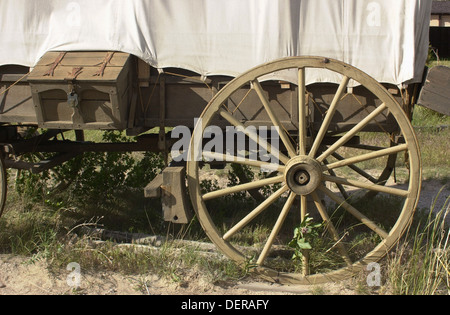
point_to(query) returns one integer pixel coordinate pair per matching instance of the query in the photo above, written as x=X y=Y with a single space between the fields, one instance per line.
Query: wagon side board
x=16 y=102
x=128 y=98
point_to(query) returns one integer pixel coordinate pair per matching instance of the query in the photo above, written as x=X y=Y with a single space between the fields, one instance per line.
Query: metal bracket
x=73 y=101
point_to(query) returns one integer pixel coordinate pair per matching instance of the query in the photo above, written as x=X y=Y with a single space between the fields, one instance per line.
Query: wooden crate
x=82 y=90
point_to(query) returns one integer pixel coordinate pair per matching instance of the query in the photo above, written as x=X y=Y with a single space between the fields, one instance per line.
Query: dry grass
x=421 y=264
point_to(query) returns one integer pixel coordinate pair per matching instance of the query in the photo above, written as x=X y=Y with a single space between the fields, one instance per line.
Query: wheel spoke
x=3 y=185
x=366 y=157
x=275 y=121
x=329 y=116
x=344 y=139
x=374 y=187
x=233 y=159
x=323 y=213
x=340 y=187
x=356 y=169
x=276 y=228
x=252 y=135
x=303 y=208
x=301 y=111
x=361 y=217
x=305 y=258
x=263 y=206
x=239 y=188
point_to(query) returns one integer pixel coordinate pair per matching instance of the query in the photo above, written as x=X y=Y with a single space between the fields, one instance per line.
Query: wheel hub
x=303 y=175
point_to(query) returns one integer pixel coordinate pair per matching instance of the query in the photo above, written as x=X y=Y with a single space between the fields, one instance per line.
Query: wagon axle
x=303 y=175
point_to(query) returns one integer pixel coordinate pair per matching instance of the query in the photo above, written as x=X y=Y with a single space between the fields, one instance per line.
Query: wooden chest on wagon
x=82 y=90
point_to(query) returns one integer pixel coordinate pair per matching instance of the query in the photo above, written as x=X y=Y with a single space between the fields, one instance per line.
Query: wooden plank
x=435 y=93
x=90 y=62
x=62 y=73
x=174 y=200
x=90 y=58
x=143 y=73
x=93 y=59
x=170 y=185
x=153 y=190
x=49 y=58
x=94 y=95
x=276 y=288
x=16 y=105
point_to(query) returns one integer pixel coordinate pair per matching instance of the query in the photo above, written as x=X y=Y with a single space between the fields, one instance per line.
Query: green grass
x=433 y=142
x=432 y=130
x=424 y=117
x=442 y=62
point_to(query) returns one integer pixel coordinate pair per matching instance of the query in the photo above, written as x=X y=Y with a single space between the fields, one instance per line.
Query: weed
x=303 y=236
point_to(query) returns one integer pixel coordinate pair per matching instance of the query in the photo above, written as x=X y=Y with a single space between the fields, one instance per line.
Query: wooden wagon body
x=136 y=65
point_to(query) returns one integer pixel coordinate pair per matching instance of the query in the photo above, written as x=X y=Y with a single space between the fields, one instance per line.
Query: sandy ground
x=22 y=276
x=433 y=195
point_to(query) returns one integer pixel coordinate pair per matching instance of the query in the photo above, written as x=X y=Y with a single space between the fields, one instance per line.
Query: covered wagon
x=301 y=85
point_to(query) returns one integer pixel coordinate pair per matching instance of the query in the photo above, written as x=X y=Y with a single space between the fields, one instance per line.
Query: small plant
x=303 y=237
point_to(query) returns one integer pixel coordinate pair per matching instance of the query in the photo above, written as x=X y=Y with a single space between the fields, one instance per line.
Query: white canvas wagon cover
x=386 y=38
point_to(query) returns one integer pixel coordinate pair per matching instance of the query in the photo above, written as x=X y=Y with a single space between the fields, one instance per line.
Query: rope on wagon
x=15 y=83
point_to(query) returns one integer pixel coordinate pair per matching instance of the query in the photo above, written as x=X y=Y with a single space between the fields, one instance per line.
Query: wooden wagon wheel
x=304 y=174
x=380 y=179
x=3 y=185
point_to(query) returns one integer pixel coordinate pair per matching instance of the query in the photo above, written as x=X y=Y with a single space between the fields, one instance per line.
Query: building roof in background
x=440 y=7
